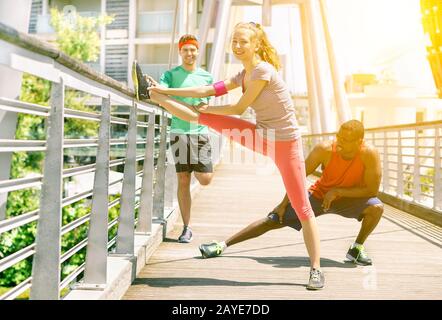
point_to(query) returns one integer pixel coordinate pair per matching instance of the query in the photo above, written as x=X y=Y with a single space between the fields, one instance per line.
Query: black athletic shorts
x=345 y=207
x=191 y=152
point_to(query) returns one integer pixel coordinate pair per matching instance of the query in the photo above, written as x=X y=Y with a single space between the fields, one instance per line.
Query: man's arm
x=372 y=179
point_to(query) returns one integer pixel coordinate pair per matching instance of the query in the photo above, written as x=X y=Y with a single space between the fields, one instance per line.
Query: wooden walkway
x=406 y=251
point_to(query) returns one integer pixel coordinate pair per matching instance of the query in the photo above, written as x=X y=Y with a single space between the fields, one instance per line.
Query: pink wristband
x=220 y=88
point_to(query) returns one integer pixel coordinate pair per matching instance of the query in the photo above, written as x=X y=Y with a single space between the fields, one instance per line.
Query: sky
x=370 y=36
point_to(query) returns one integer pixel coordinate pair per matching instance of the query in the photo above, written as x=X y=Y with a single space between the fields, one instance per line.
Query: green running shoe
x=211 y=250
x=358 y=255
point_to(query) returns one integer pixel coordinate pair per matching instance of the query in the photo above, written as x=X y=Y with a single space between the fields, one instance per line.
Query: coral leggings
x=287 y=155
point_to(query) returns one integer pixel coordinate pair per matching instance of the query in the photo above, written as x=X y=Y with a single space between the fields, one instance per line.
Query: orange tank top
x=339 y=173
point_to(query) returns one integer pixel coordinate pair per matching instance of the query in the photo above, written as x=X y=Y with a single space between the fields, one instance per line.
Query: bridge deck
x=406 y=251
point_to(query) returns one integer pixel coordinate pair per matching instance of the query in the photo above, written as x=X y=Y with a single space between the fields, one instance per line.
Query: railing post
x=126 y=225
x=95 y=274
x=416 y=169
x=385 y=176
x=437 y=185
x=400 y=167
x=46 y=264
x=160 y=174
x=171 y=183
x=146 y=201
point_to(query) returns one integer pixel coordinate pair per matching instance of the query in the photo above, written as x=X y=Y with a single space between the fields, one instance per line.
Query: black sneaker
x=357 y=255
x=141 y=83
x=316 y=281
x=186 y=235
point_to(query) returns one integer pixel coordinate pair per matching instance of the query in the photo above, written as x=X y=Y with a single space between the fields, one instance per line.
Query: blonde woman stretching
x=276 y=132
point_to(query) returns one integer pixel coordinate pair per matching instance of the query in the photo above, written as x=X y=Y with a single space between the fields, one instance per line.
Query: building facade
x=141 y=30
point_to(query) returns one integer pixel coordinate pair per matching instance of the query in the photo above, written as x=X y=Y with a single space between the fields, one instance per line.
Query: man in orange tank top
x=348 y=186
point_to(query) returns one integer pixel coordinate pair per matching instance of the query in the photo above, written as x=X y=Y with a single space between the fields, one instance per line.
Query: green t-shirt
x=179 y=77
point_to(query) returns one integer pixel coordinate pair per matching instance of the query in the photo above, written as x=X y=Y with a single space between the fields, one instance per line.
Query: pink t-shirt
x=273 y=106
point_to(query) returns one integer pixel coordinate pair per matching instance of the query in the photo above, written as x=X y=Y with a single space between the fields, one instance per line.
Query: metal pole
x=96 y=253
x=126 y=225
x=171 y=181
x=437 y=185
x=219 y=41
x=416 y=169
x=206 y=20
x=342 y=105
x=400 y=167
x=385 y=177
x=315 y=123
x=266 y=13
x=146 y=201
x=46 y=265
x=324 y=106
x=160 y=174
x=14 y=13
x=172 y=43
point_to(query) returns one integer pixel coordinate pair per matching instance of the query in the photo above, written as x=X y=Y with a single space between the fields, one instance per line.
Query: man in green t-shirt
x=189 y=142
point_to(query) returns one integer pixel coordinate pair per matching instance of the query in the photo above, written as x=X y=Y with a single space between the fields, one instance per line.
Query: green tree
x=77 y=37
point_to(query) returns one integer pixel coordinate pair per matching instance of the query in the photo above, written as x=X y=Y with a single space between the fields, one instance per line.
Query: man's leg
x=253 y=230
x=184 y=198
x=371 y=217
x=369 y=210
x=180 y=152
x=204 y=178
x=259 y=227
x=201 y=158
x=271 y=222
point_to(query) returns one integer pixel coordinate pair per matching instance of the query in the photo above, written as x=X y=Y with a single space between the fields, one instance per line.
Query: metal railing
x=147 y=191
x=410 y=158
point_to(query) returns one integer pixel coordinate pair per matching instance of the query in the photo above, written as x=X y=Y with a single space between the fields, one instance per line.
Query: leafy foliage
x=78 y=36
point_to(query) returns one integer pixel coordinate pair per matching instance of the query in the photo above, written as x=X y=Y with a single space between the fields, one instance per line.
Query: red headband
x=190 y=41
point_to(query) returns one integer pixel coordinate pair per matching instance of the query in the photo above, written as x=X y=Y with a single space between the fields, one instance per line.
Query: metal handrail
x=48 y=63
x=16 y=257
x=17 y=290
x=18 y=221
